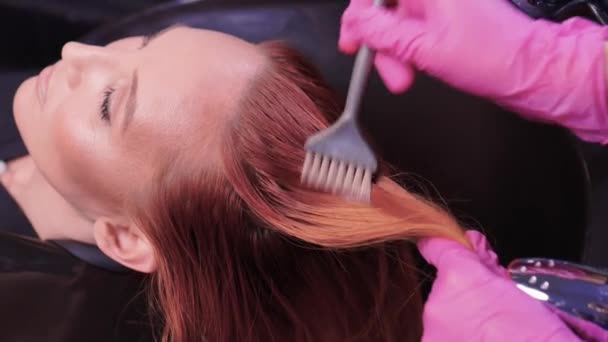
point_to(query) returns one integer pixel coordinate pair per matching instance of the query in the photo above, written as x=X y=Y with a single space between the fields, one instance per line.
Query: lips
x=43 y=83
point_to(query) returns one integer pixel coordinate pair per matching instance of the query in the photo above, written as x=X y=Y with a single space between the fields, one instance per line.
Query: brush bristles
x=337 y=177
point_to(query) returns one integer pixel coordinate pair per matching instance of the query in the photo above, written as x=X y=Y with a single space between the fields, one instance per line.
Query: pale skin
x=85 y=163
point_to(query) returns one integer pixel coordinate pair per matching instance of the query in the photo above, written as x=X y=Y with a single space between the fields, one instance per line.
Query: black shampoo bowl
x=523 y=183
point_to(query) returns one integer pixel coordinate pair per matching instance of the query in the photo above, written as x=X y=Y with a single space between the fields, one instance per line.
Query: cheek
x=70 y=145
x=76 y=158
x=71 y=133
x=35 y=129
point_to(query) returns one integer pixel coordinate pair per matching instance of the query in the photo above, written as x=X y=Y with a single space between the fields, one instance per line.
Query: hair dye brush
x=338 y=159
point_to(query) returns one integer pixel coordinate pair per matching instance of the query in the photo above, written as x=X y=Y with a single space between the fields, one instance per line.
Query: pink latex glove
x=472 y=299
x=546 y=71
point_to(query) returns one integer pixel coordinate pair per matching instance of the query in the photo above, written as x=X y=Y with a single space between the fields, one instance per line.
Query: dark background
x=33 y=31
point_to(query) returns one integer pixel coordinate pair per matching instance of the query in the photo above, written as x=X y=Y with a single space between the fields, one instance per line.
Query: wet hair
x=249 y=254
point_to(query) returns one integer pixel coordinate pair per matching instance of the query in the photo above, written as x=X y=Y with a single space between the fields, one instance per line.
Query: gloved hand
x=472 y=299
x=546 y=71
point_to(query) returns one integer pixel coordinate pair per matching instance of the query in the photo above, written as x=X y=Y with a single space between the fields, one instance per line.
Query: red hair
x=248 y=254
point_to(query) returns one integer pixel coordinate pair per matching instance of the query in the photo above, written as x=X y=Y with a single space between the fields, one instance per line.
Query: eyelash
x=104 y=108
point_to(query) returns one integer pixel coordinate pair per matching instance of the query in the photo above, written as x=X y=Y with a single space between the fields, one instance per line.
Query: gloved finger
x=481 y=246
x=349 y=41
x=411 y=8
x=485 y=252
x=444 y=253
x=384 y=31
x=397 y=76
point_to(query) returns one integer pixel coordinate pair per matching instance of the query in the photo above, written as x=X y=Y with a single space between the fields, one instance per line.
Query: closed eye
x=104 y=108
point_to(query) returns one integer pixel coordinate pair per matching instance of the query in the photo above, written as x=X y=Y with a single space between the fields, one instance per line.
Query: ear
x=126 y=244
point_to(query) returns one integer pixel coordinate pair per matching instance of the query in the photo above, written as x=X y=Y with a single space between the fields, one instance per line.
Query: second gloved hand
x=546 y=71
x=473 y=300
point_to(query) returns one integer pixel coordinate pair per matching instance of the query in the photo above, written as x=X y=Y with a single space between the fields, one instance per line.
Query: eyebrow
x=131 y=103
x=149 y=38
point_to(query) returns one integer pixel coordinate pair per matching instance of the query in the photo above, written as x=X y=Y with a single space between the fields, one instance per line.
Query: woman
x=547 y=71
x=185 y=165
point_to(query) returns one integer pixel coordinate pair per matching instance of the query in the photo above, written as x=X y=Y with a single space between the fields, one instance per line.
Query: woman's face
x=100 y=120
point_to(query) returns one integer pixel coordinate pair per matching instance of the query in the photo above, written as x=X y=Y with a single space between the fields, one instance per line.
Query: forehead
x=191 y=79
x=187 y=57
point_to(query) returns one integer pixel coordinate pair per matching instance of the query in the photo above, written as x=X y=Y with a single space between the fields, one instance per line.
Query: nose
x=79 y=51
x=78 y=57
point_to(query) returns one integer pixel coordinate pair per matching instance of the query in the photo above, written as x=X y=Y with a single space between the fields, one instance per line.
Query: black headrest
x=524 y=183
x=49 y=295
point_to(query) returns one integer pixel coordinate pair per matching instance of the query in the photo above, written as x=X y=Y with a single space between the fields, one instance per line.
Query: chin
x=25 y=106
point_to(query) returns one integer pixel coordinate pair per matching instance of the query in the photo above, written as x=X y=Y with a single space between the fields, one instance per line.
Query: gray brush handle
x=358 y=81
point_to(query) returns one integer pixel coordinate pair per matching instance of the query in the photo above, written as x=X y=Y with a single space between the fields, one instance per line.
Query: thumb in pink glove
x=472 y=299
x=547 y=71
